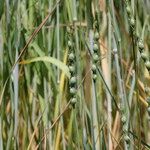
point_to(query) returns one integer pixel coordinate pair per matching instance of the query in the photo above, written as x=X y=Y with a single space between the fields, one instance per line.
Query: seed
x=95 y=47
x=71 y=56
x=73 y=80
x=69 y=44
x=132 y=22
x=141 y=45
x=128 y=9
x=126 y=138
x=73 y=101
x=96 y=58
x=96 y=36
x=94 y=77
x=123 y=119
x=144 y=56
x=72 y=69
x=72 y=91
x=94 y=68
x=147 y=64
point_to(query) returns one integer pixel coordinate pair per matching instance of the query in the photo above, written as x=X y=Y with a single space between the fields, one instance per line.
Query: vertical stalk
x=121 y=91
x=94 y=118
x=58 y=39
x=108 y=81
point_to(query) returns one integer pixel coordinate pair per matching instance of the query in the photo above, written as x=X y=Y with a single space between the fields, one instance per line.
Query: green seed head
x=94 y=68
x=71 y=57
x=96 y=58
x=147 y=64
x=141 y=45
x=73 y=101
x=123 y=119
x=95 y=47
x=73 y=80
x=69 y=44
x=96 y=36
x=128 y=9
x=126 y=138
x=94 y=77
x=72 y=91
x=132 y=22
x=72 y=69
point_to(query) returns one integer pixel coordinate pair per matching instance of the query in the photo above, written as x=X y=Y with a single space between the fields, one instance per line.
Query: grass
x=109 y=108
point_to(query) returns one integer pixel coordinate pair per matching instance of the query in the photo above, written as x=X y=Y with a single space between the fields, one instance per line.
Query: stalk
x=123 y=99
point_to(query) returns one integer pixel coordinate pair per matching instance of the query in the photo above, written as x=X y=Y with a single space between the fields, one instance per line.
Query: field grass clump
x=74 y=74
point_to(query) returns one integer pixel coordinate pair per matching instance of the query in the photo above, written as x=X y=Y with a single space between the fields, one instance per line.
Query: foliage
x=74 y=74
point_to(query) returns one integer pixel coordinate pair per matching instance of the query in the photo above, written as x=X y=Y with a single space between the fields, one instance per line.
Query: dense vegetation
x=74 y=74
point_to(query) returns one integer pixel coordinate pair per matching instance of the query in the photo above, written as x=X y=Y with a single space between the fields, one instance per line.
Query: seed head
x=132 y=22
x=71 y=57
x=72 y=91
x=69 y=44
x=73 y=101
x=94 y=68
x=72 y=69
x=123 y=119
x=128 y=9
x=73 y=80
x=96 y=36
x=141 y=45
x=95 y=47
x=94 y=77
x=96 y=58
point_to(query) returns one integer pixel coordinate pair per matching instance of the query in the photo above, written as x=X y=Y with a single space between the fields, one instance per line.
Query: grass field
x=74 y=74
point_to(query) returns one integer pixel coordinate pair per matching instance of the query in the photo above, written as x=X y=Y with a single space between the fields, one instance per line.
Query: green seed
x=73 y=101
x=72 y=91
x=128 y=9
x=73 y=80
x=94 y=68
x=95 y=47
x=147 y=64
x=94 y=77
x=69 y=44
x=96 y=36
x=132 y=22
x=123 y=119
x=141 y=45
x=96 y=58
x=72 y=69
x=126 y=138
x=71 y=56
